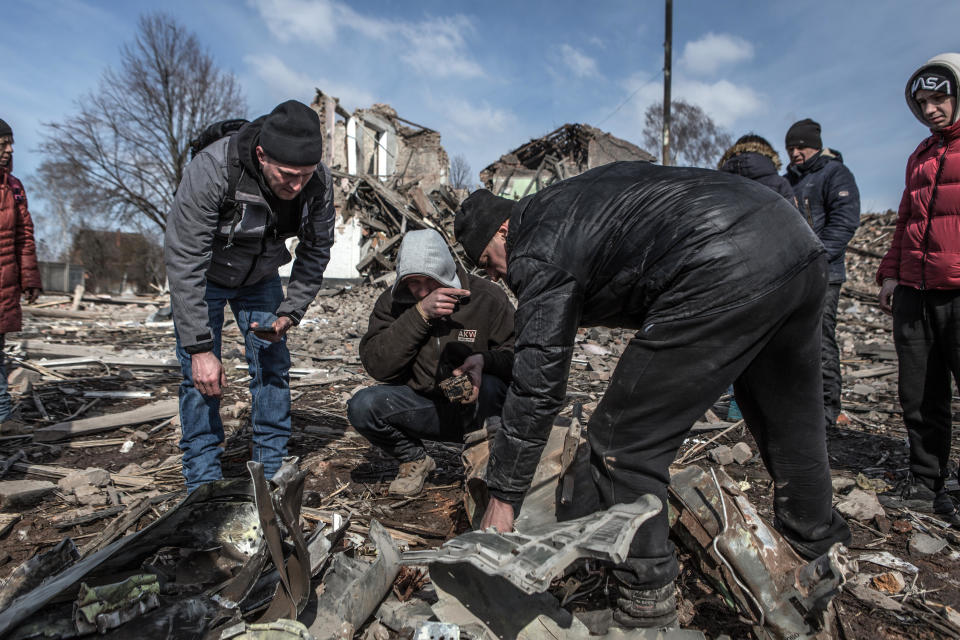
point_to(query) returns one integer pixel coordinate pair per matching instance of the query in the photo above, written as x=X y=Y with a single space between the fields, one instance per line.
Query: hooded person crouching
x=437 y=321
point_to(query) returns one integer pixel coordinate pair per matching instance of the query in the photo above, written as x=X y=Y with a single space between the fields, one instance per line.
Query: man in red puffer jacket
x=919 y=282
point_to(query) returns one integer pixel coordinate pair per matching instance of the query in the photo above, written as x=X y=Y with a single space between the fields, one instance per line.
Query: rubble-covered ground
x=123 y=346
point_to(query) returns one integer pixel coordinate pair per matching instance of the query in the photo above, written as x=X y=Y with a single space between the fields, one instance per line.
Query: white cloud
x=285 y=81
x=580 y=64
x=436 y=46
x=714 y=51
x=472 y=121
x=723 y=101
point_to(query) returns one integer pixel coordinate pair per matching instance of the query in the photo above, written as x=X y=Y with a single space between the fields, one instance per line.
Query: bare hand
x=885 y=297
x=209 y=377
x=280 y=327
x=473 y=367
x=498 y=515
x=30 y=294
x=441 y=302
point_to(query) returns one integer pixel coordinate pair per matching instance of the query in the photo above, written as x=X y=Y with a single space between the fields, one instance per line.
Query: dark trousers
x=926 y=332
x=670 y=373
x=830 y=356
x=397 y=419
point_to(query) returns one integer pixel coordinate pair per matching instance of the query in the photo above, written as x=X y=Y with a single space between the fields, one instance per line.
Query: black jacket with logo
x=828 y=198
x=628 y=244
x=400 y=348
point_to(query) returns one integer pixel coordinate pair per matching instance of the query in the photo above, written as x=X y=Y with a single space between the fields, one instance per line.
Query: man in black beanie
x=829 y=200
x=241 y=198
x=722 y=282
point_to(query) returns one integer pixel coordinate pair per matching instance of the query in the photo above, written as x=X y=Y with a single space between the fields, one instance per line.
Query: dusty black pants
x=926 y=332
x=830 y=356
x=671 y=373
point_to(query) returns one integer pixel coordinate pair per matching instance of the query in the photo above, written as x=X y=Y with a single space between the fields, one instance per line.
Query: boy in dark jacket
x=829 y=200
x=920 y=285
x=722 y=282
x=437 y=321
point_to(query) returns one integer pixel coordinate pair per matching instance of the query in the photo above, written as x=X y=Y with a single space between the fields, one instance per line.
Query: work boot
x=646 y=608
x=411 y=476
x=914 y=494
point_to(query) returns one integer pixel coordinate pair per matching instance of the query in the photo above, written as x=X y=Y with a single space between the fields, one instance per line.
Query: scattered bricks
x=883 y=524
x=23 y=493
x=860 y=505
x=742 y=453
x=90 y=496
x=722 y=455
x=891 y=582
x=842 y=485
x=923 y=544
x=901 y=526
x=87 y=477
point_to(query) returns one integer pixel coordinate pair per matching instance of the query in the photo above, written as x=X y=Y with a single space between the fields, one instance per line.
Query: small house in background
x=118 y=262
x=563 y=153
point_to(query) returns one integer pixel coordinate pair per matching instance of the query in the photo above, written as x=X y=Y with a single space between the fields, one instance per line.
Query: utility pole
x=667 y=47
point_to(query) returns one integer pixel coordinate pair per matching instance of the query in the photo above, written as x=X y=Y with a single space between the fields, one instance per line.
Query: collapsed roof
x=562 y=153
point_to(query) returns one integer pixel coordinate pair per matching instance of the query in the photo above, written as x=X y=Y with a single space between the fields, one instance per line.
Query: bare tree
x=459 y=172
x=121 y=157
x=695 y=140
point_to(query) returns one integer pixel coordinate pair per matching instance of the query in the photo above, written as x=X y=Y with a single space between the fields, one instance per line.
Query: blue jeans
x=6 y=405
x=397 y=419
x=269 y=366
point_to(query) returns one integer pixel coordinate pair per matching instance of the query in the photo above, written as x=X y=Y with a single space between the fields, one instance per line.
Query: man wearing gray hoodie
x=437 y=321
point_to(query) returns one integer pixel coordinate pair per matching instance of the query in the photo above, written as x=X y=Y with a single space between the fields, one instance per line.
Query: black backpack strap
x=229 y=204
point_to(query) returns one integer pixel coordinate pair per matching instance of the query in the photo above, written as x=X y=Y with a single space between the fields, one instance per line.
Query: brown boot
x=412 y=475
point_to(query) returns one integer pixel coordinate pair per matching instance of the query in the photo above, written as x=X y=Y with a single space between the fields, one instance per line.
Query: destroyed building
x=384 y=169
x=565 y=152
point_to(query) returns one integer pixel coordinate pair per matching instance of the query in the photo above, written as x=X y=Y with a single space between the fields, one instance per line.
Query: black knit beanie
x=5 y=129
x=292 y=134
x=805 y=133
x=480 y=215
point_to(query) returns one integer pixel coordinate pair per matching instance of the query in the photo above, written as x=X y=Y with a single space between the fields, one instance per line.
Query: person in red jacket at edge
x=919 y=280
x=18 y=264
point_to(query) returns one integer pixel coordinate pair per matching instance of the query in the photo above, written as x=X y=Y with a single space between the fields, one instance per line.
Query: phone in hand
x=265 y=332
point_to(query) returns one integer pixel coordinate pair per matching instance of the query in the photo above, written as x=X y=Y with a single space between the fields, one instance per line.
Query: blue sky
x=490 y=76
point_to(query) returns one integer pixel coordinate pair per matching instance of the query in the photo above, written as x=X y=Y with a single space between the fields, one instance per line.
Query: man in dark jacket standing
x=722 y=281
x=19 y=275
x=829 y=199
x=752 y=156
x=240 y=198
x=919 y=282
x=436 y=321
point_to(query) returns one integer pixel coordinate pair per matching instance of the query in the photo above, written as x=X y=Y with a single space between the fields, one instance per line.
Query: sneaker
x=646 y=608
x=412 y=475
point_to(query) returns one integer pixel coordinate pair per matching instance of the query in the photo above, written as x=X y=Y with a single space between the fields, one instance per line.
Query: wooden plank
x=55 y=473
x=61 y=431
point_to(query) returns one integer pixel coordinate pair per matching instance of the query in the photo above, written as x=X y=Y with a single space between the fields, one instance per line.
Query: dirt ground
x=346 y=475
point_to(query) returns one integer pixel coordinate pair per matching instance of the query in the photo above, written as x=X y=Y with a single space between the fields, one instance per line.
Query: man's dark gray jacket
x=234 y=239
x=628 y=244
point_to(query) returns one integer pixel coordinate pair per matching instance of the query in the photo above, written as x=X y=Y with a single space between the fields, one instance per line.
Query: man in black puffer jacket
x=829 y=199
x=722 y=281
